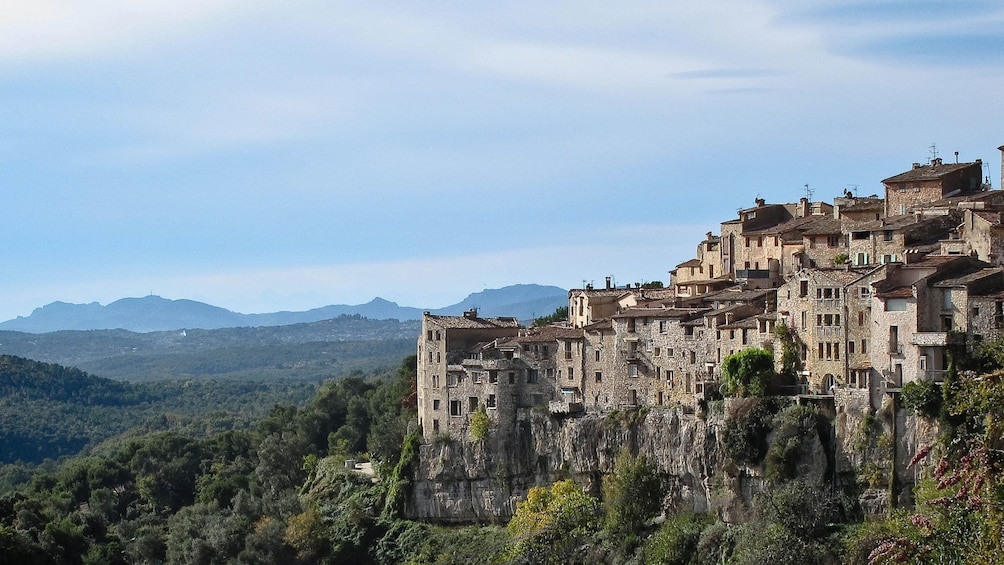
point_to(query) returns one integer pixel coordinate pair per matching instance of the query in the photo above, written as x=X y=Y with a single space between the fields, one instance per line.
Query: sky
x=267 y=156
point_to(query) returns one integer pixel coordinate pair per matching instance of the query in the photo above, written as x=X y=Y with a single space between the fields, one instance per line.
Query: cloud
x=43 y=30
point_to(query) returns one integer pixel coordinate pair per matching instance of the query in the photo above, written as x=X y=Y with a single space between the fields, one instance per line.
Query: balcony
x=936 y=339
x=562 y=407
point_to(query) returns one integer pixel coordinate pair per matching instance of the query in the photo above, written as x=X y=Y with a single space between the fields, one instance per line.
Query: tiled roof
x=748 y=323
x=658 y=313
x=927 y=172
x=464 y=322
x=905 y=291
x=967 y=279
x=993 y=217
x=824 y=225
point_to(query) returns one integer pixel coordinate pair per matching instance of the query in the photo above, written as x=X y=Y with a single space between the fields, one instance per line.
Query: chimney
x=760 y=202
x=471 y=314
x=1001 y=149
x=608 y=283
x=936 y=162
x=916 y=165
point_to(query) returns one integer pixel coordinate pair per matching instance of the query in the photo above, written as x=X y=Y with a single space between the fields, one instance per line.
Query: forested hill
x=313 y=351
x=24 y=379
x=48 y=411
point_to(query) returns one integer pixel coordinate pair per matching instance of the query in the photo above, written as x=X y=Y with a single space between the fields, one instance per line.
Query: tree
x=551 y=525
x=560 y=314
x=632 y=495
x=748 y=372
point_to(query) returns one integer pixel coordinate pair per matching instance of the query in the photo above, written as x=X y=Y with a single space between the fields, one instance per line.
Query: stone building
x=454 y=371
x=828 y=311
x=915 y=322
x=928 y=183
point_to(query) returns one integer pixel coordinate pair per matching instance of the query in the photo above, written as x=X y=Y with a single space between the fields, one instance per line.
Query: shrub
x=792 y=426
x=746 y=429
x=922 y=397
x=479 y=424
x=676 y=541
x=748 y=372
x=632 y=495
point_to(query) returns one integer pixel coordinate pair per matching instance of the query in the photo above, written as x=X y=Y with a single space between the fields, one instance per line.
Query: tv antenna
x=934 y=151
x=808 y=193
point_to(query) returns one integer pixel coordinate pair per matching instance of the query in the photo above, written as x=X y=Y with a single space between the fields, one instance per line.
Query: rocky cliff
x=862 y=451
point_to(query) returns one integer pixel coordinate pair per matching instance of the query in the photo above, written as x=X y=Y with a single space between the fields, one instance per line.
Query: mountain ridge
x=154 y=313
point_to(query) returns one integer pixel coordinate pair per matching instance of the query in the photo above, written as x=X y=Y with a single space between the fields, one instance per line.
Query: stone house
x=928 y=183
x=455 y=368
x=828 y=311
x=915 y=322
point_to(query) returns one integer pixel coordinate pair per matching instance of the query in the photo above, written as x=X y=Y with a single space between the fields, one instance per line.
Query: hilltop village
x=866 y=293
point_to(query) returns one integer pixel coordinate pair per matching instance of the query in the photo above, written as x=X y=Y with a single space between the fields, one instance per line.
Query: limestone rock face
x=459 y=480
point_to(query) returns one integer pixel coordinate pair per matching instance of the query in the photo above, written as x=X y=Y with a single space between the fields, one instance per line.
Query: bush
x=479 y=424
x=746 y=427
x=792 y=426
x=676 y=541
x=552 y=525
x=922 y=397
x=748 y=373
x=632 y=495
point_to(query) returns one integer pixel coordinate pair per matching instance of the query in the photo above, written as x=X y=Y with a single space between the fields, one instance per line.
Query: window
x=669 y=377
x=435 y=381
x=893 y=339
x=657 y=352
x=864 y=292
x=435 y=426
x=533 y=376
x=571 y=373
x=456 y=407
x=472 y=404
x=803 y=288
x=597 y=354
x=887 y=235
x=435 y=404
x=599 y=376
x=669 y=352
x=452 y=379
x=861 y=318
x=476 y=377
x=491 y=404
x=537 y=399
x=864 y=346
x=428 y=335
x=693 y=357
x=836 y=351
x=493 y=377
x=662 y=326
x=632 y=370
x=568 y=350
x=850 y=348
x=512 y=377
x=923 y=362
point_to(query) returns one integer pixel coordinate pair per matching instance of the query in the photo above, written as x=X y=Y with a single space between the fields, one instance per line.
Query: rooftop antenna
x=934 y=152
x=808 y=193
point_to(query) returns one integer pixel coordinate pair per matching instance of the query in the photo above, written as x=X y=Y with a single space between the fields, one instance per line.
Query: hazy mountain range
x=153 y=313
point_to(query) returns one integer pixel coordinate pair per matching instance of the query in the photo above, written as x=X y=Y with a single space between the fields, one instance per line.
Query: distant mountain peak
x=155 y=313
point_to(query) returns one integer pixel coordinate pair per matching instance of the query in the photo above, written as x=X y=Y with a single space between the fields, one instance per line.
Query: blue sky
x=283 y=156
